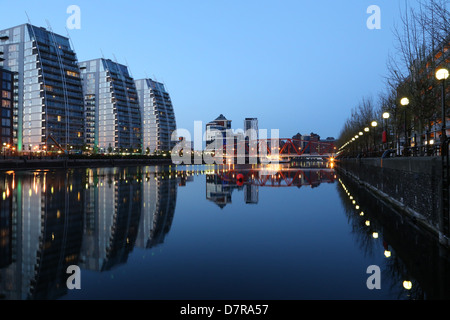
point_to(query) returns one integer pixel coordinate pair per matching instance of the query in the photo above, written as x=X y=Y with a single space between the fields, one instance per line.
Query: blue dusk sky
x=296 y=65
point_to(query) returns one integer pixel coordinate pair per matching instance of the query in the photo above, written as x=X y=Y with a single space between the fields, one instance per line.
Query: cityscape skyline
x=225 y=151
x=210 y=65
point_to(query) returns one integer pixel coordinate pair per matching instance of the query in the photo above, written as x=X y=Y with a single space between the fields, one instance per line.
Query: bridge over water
x=288 y=148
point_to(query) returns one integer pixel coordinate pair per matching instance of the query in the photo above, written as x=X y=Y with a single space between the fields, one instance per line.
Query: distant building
x=158 y=117
x=49 y=93
x=298 y=142
x=329 y=145
x=7 y=106
x=113 y=117
x=251 y=128
x=218 y=126
x=310 y=143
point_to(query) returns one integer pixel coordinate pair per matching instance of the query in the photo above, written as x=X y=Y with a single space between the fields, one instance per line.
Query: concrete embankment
x=412 y=184
x=15 y=164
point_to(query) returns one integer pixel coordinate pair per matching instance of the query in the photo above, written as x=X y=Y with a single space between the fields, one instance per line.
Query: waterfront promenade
x=48 y=163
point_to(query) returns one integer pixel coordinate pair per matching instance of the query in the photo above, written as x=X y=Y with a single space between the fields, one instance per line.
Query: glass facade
x=6 y=107
x=49 y=94
x=158 y=117
x=113 y=118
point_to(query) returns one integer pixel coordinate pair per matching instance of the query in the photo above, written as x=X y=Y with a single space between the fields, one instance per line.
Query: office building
x=48 y=98
x=216 y=130
x=113 y=118
x=157 y=114
x=251 y=129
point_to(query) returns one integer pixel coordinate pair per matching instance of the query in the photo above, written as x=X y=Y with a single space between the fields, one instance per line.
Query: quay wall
x=411 y=184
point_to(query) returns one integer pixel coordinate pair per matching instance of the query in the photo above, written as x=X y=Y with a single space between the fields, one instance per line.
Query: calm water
x=203 y=232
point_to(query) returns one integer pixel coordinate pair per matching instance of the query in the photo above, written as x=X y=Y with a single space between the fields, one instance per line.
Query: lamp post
x=405 y=102
x=442 y=75
x=374 y=124
x=386 y=116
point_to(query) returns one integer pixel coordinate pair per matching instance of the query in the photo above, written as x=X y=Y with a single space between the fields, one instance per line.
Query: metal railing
x=401 y=147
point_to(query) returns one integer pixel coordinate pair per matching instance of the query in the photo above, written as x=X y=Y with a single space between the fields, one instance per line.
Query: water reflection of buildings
x=158 y=209
x=126 y=208
x=113 y=210
x=223 y=180
x=45 y=227
x=91 y=218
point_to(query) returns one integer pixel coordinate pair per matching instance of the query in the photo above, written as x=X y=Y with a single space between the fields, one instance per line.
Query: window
x=73 y=74
x=13 y=48
x=6 y=122
x=6 y=94
x=6 y=76
x=6 y=104
x=6 y=113
x=6 y=85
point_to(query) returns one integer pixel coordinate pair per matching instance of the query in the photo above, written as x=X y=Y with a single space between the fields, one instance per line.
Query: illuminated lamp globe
x=442 y=74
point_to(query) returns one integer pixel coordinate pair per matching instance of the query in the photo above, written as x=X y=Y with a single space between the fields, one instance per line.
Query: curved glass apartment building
x=48 y=97
x=112 y=115
x=158 y=117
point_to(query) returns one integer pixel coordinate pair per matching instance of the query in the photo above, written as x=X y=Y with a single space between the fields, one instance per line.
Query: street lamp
x=442 y=75
x=405 y=102
x=386 y=116
x=374 y=124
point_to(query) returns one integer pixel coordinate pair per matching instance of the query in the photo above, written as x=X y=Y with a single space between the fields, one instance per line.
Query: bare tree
x=411 y=68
